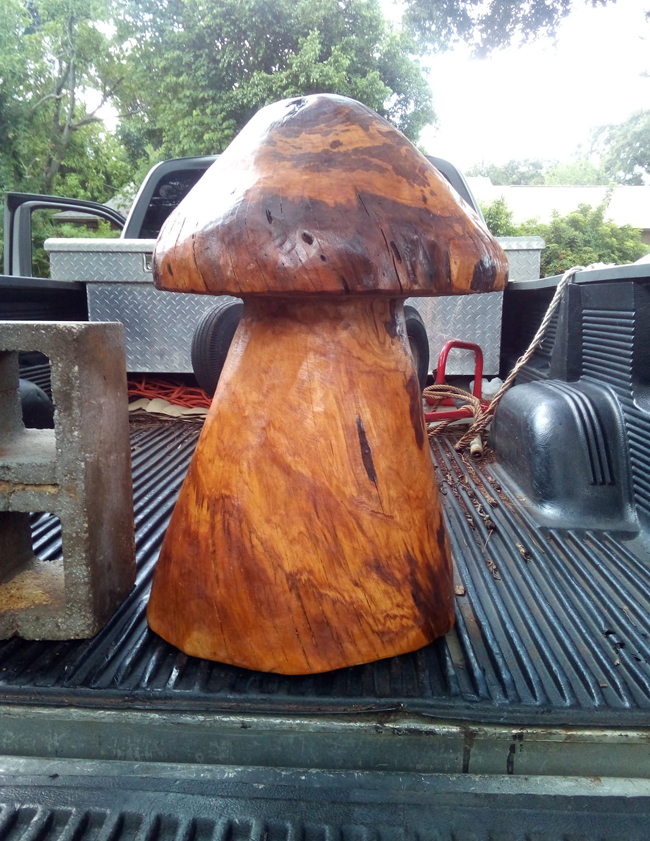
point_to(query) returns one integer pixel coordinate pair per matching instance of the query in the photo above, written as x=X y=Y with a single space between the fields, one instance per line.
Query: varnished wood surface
x=308 y=534
x=320 y=194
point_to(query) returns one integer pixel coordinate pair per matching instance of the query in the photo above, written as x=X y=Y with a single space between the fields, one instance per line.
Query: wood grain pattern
x=320 y=194
x=308 y=534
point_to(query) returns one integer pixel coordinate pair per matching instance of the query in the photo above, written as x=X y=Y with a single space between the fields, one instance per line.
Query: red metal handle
x=478 y=363
x=464 y=411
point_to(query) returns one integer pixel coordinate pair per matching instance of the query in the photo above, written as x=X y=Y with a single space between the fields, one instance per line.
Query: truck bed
x=552 y=625
x=54 y=800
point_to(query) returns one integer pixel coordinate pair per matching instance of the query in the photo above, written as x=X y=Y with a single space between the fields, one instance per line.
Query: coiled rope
x=483 y=418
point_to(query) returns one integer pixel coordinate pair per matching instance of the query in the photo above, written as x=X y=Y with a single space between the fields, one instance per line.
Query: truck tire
x=38 y=409
x=419 y=342
x=211 y=342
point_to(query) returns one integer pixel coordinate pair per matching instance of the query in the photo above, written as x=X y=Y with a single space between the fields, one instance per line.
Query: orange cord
x=173 y=391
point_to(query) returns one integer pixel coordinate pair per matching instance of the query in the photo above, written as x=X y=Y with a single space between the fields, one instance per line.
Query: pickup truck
x=529 y=720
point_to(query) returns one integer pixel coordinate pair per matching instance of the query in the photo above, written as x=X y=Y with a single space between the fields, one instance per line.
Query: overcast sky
x=542 y=100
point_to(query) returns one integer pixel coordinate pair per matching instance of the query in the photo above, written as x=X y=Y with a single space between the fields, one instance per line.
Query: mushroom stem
x=308 y=534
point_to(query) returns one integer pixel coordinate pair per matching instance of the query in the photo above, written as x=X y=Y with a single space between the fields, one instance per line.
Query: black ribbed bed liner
x=552 y=627
x=97 y=802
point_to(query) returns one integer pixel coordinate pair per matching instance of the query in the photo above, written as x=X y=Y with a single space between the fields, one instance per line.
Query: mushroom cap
x=321 y=195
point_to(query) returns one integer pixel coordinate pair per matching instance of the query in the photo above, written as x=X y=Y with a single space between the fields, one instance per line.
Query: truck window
x=53 y=222
x=169 y=192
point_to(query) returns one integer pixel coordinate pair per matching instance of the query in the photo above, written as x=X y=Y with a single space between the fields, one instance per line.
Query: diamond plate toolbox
x=476 y=318
x=101 y=260
x=159 y=325
x=471 y=318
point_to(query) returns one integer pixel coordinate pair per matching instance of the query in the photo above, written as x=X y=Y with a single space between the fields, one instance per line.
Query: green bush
x=43 y=227
x=581 y=237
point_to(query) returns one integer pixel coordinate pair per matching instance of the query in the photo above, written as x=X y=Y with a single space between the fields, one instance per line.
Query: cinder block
x=80 y=471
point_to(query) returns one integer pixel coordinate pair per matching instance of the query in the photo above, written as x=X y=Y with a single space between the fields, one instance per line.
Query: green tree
x=486 y=24
x=625 y=149
x=512 y=172
x=579 y=172
x=54 y=57
x=198 y=70
x=585 y=236
x=498 y=218
x=14 y=55
x=580 y=238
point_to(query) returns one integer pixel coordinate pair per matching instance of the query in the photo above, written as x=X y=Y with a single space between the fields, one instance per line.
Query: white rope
x=479 y=425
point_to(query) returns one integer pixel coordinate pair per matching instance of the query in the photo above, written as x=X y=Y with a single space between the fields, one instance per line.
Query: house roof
x=627 y=206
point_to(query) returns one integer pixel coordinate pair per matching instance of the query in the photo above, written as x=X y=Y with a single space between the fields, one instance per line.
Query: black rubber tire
x=211 y=342
x=38 y=409
x=215 y=331
x=419 y=342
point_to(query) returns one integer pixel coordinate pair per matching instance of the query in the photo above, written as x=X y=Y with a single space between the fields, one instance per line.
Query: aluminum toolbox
x=159 y=325
x=477 y=318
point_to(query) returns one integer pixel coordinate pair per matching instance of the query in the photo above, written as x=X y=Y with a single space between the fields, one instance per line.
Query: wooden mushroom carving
x=308 y=534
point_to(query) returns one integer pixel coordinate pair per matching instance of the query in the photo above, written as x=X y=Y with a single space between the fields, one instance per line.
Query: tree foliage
x=625 y=149
x=198 y=70
x=185 y=75
x=512 y=172
x=622 y=152
x=45 y=225
x=585 y=236
x=580 y=238
x=486 y=24
x=52 y=55
x=498 y=218
x=579 y=172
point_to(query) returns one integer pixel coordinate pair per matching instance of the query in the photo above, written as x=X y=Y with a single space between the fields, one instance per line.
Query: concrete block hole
x=31 y=561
